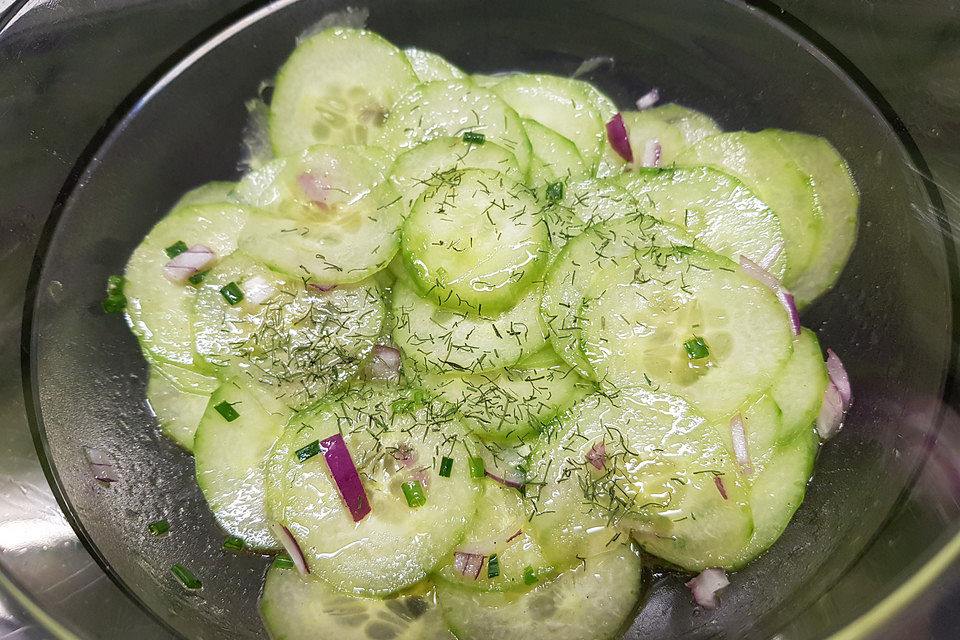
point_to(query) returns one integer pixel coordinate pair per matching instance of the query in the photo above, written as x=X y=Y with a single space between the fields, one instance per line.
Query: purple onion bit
x=618 y=137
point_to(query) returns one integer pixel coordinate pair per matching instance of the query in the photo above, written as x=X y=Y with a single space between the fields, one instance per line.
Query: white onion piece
x=831 y=412
x=839 y=377
x=384 y=364
x=648 y=99
x=763 y=276
x=767 y=261
x=651 y=153
x=101 y=465
x=706 y=585
x=284 y=537
x=739 y=436
x=259 y=290
x=194 y=260
x=468 y=564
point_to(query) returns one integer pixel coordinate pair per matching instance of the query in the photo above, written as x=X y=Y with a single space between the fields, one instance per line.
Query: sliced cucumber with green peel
x=429 y=66
x=555 y=157
x=591 y=601
x=160 y=310
x=838 y=199
x=390 y=442
x=476 y=242
x=800 y=387
x=230 y=450
x=336 y=88
x=209 y=193
x=694 y=126
x=595 y=200
x=425 y=166
x=294 y=342
x=671 y=126
x=758 y=160
x=713 y=206
x=448 y=341
x=560 y=104
x=178 y=411
x=302 y=608
x=641 y=315
x=451 y=108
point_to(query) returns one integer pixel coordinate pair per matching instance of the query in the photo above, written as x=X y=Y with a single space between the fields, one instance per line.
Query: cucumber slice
x=159 y=310
x=298 y=344
x=838 y=198
x=209 y=193
x=451 y=108
x=555 y=157
x=592 y=601
x=694 y=126
x=509 y=403
x=488 y=81
x=425 y=166
x=542 y=359
x=560 y=104
x=762 y=425
x=499 y=528
x=446 y=341
x=336 y=88
x=476 y=243
x=394 y=545
x=347 y=235
x=641 y=312
x=799 y=389
x=595 y=201
x=715 y=207
x=178 y=411
x=429 y=66
x=758 y=161
x=296 y=608
x=566 y=282
x=230 y=456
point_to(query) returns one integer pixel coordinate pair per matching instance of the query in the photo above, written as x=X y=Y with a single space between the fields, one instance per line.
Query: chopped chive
x=529 y=577
x=413 y=492
x=233 y=543
x=476 y=467
x=474 y=137
x=116 y=301
x=197 y=278
x=226 y=410
x=555 y=192
x=231 y=293
x=446 y=466
x=189 y=580
x=159 y=527
x=493 y=566
x=696 y=348
x=307 y=452
x=176 y=249
x=283 y=561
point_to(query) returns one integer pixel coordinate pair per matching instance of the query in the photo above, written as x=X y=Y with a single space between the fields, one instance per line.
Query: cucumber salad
x=469 y=354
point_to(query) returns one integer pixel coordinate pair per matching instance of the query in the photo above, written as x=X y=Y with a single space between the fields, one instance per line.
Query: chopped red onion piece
x=597 y=455
x=706 y=585
x=315 y=191
x=831 y=412
x=839 y=377
x=323 y=288
x=384 y=363
x=345 y=475
x=468 y=564
x=648 y=99
x=101 y=465
x=771 y=256
x=790 y=305
x=762 y=276
x=514 y=536
x=651 y=153
x=290 y=545
x=258 y=290
x=740 y=444
x=507 y=482
x=194 y=260
x=619 y=140
x=717 y=480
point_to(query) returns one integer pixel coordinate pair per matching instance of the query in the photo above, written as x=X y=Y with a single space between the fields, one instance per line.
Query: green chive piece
x=226 y=410
x=159 y=527
x=446 y=466
x=176 y=249
x=307 y=452
x=197 y=278
x=116 y=301
x=232 y=293
x=555 y=192
x=476 y=467
x=233 y=543
x=189 y=580
x=413 y=492
x=493 y=566
x=696 y=348
x=283 y=562
x=474 y=137
x=529 y=577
